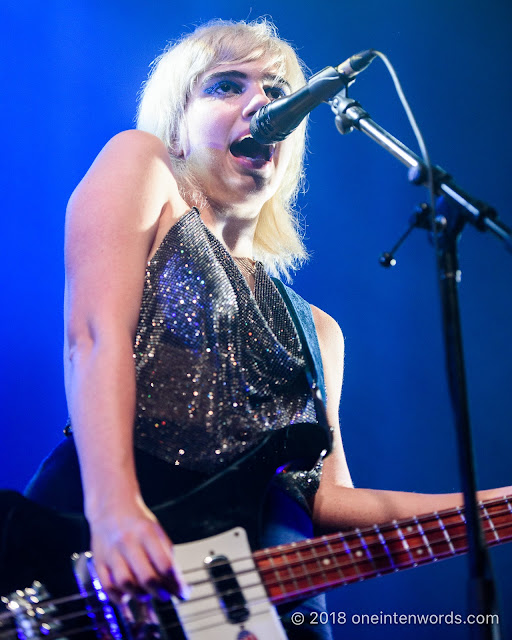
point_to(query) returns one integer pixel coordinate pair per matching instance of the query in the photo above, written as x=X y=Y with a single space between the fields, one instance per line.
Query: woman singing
x=180 y=350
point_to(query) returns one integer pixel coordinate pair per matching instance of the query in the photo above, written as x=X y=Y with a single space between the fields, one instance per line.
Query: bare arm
x=337 y=504
x=112 y=223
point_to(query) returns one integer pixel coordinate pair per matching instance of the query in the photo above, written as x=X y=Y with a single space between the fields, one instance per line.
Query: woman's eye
x=224 y=87
x=274 y=93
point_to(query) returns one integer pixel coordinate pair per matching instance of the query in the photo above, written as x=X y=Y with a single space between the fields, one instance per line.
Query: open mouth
x=247 y=147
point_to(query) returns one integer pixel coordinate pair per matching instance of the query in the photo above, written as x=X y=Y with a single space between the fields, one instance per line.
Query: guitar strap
x=302 y=317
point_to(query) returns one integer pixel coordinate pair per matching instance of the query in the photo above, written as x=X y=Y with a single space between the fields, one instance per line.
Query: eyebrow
x=240 y=75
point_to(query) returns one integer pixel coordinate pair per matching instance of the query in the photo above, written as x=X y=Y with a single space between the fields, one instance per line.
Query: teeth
x=248 y=135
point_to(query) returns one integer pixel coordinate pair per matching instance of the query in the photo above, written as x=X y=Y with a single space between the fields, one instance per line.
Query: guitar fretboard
x=304 y=568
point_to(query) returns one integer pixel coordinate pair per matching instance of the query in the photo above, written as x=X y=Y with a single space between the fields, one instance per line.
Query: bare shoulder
x=132 y=168
x=328 y=330
x=115 y=214
x=137 y=141
x=138 y=145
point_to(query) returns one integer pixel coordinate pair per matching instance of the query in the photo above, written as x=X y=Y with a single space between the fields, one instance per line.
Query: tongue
x=249 y=148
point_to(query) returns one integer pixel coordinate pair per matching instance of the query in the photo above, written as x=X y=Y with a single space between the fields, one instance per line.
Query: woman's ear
x=179 y=143
x=176 y=152
x=176 y=149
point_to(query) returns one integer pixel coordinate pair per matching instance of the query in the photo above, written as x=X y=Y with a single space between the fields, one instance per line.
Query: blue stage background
x=71 y=73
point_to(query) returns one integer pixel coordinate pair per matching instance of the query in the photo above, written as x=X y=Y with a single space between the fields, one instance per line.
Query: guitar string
x=373 y=531
x=313 y=589
x=321 y=542
x=352 y=535
x=198 y=616
x=57 y=634
x=55 y=602
x=279 y=584
x=12 y=632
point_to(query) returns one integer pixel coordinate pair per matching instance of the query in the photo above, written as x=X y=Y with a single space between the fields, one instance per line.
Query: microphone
x=276 y=120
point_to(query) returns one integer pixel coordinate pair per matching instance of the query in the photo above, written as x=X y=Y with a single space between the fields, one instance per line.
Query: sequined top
x=216 y=365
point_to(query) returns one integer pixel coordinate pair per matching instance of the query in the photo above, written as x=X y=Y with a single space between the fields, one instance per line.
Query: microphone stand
x=457 y=208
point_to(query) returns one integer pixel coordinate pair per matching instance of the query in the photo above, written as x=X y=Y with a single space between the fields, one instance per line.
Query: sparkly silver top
x=216 y=365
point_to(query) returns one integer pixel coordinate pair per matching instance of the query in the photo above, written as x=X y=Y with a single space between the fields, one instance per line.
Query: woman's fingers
x=116 y=577
x=137 y=560
x=159 y=550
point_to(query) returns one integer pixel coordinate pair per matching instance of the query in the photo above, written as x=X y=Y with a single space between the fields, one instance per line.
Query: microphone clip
x=346 y=120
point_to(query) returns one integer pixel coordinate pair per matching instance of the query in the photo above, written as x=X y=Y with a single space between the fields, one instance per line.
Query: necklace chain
x=246 y=265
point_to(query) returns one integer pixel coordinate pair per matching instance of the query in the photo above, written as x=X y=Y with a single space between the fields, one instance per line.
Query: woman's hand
x=133 y=555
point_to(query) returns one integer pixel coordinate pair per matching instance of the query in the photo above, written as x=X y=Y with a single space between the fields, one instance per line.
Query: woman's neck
x=234 y=229
x=233 y=224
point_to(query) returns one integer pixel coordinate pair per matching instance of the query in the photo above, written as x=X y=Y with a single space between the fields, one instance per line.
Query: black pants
x=57 y=484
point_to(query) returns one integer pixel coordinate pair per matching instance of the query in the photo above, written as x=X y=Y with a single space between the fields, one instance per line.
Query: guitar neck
x=302 y=569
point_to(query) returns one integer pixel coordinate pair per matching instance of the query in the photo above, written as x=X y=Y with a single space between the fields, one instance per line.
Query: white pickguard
x=202 y=616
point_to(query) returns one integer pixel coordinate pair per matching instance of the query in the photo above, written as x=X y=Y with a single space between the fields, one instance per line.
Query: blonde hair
x=278 y=239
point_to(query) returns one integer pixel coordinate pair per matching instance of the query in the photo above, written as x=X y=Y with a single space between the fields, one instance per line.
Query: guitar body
x=216 y=527
x=36 y=542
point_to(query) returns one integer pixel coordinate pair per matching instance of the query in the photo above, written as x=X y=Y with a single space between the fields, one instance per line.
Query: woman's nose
x=257 y=100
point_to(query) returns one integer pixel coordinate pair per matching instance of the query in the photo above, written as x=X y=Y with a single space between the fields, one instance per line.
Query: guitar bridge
x=135 y=619
x=28 y=616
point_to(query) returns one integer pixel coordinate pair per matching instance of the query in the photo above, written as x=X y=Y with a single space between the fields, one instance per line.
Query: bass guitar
x=234 y=584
